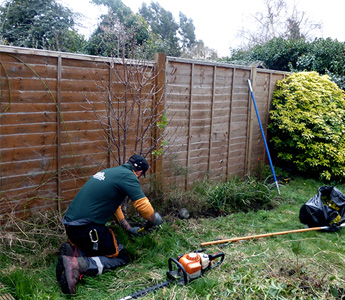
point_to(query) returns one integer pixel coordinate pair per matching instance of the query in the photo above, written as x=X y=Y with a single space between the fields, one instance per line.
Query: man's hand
x=158 y=219
x=133 y=230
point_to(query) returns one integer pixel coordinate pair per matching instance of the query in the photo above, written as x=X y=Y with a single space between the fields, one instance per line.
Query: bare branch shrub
x=135 y=114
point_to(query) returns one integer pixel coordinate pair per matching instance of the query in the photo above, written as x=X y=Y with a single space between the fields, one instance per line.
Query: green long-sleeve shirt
x=103 y=193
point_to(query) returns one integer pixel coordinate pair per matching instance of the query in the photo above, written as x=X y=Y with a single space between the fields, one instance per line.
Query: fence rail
x=51 y=140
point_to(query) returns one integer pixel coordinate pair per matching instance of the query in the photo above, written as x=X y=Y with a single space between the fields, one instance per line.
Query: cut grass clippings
x=308 y=265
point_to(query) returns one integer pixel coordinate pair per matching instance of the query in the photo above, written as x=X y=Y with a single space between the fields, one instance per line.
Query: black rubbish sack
x=327 y=208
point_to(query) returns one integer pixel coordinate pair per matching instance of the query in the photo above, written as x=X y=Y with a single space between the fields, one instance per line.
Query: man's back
x=103 y=193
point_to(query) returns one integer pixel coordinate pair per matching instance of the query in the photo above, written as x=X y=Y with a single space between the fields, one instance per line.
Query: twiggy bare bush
x=135 y=116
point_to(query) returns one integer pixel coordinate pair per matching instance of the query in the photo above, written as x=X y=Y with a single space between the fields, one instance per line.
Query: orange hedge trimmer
x=184 y=269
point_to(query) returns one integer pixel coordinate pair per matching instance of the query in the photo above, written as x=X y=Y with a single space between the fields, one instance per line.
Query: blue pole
x=263 y=136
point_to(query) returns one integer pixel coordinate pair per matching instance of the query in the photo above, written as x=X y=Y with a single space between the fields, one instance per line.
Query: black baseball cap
x=139 y=163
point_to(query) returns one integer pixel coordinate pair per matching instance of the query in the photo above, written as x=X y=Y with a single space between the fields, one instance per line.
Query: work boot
x=69 y=250
x=69 y=271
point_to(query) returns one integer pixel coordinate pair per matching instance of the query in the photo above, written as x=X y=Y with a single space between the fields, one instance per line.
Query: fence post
x=159 y=104
x=58 y=132
x=231 y=101
x=212 y=118
x=190 y=119
x=267 y=114
x=108 y=109
x=251 y=120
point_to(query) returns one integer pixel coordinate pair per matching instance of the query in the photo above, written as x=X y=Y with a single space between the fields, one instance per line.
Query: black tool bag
x=327 y=208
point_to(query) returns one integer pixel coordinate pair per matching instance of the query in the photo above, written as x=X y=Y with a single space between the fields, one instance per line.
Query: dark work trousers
x=99 y=243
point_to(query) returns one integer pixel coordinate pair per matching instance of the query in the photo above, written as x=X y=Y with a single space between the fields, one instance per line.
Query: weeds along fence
x=56 y=113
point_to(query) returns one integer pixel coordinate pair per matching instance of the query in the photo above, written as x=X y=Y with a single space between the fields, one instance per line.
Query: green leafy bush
x=277 y=54
x=325 y=56
x=308 y=124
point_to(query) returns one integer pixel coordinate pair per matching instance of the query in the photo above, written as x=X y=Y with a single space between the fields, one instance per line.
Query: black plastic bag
x=327 y=208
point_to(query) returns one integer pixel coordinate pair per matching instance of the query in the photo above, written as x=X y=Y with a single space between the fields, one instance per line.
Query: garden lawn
x=308 y=265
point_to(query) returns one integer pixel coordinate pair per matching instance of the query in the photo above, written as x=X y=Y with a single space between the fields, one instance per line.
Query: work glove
x=158 y=219
x=133 y=230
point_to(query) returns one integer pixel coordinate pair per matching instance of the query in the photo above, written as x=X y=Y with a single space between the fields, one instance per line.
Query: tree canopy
x=39 y=24
x=163 y=25
x=119 y=31
x=153 y=29
x=50 y=25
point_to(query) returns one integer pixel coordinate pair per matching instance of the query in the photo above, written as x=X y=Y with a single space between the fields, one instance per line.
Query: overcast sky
x=217 y=22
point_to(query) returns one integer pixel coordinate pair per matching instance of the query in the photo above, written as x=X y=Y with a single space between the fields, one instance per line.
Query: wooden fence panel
x=82 y=146
x=51 y=140
x=264 y=86
x=212 y=115
x=28 y=132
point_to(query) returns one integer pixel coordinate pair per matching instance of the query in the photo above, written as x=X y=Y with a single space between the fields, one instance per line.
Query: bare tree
x=279 y=19
x=299 y=26
x=135 y=113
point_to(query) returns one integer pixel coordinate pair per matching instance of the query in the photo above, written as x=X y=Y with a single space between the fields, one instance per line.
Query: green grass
x=307 y=265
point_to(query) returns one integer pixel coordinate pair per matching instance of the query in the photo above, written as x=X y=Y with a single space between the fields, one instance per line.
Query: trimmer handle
x=175 y=274
x=219 y=257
